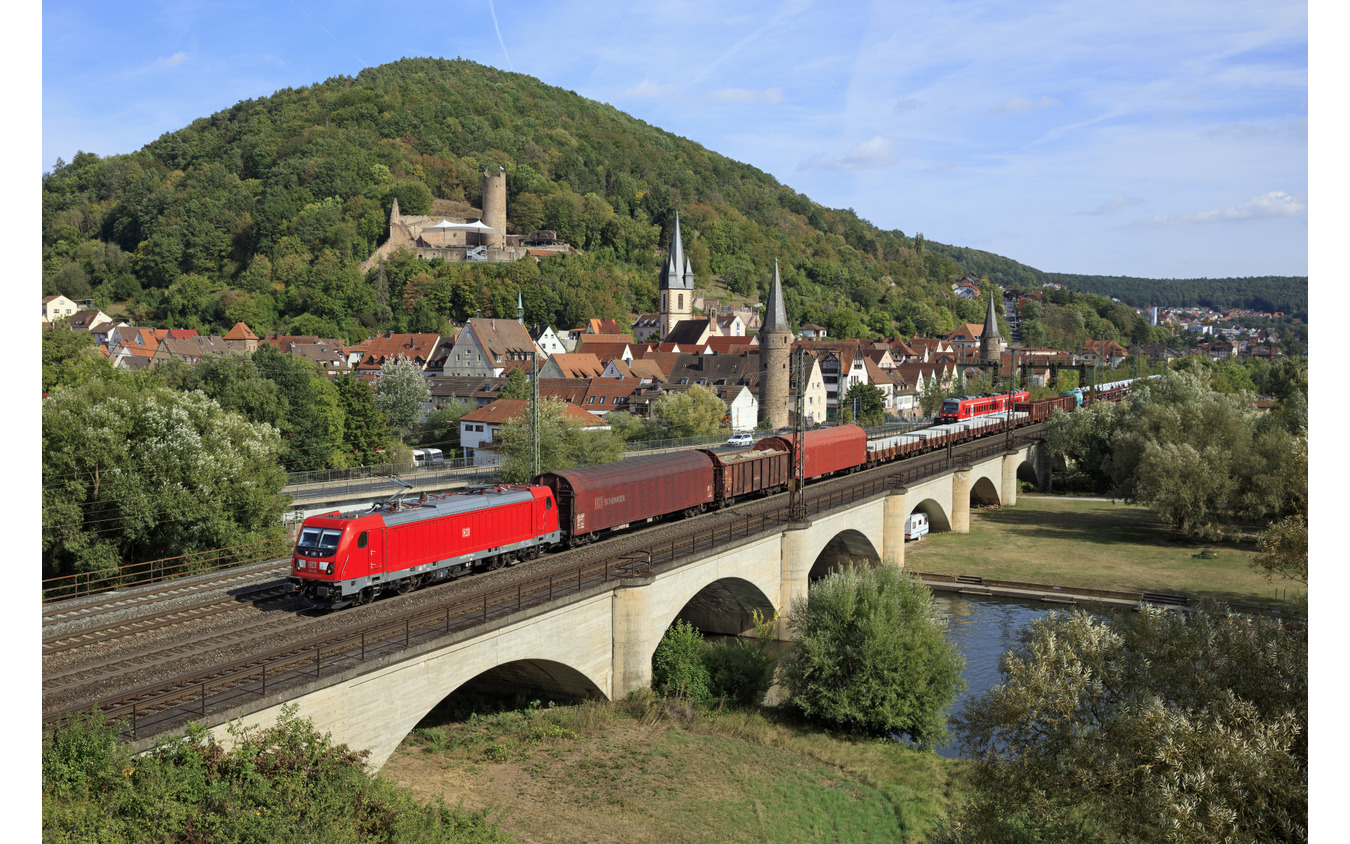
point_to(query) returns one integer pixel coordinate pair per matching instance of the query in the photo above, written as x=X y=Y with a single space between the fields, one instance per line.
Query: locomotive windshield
x=317 y=542
x=951 y=406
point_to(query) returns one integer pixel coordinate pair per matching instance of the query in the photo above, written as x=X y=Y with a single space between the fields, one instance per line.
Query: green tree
x=366 y=426
x=697 y=412
x=401 y=392
x=517 y=385
x=142 y=473
x=678 y=669
x=287 y=782
x=563 y=444
x=314 y=429
x=69 y=359
x=869 y=657
x=441 y=427
x=1152 y=726
x=871 y=404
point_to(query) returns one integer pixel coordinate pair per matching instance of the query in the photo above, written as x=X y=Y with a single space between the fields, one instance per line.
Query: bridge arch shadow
x=938 y=521
x=513 y=685
x=847 y=548
x=983 y=492
x=727 y=607
x=1027 y=472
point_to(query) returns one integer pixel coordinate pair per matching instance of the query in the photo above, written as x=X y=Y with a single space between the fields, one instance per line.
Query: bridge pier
x=1008 y=493
x=795 y=576
x=961 y=500
x=633 y=640
x=893 y=529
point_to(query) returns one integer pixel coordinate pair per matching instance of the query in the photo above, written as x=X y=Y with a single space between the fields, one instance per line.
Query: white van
x=425 y=458
x=916 y=526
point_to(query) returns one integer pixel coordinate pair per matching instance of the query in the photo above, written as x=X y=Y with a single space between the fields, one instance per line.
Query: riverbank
x=1098 y=544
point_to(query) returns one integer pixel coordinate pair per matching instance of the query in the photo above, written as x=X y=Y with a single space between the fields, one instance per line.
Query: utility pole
x=534 y=414
x=797 y=499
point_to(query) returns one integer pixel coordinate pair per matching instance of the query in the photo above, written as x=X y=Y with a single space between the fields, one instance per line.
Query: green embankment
x=1100 y=545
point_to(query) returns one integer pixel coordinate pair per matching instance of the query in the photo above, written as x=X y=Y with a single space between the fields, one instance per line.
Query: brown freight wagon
x=746 y=472
x=828 y=450
x=608 y=495
x=1042 y=409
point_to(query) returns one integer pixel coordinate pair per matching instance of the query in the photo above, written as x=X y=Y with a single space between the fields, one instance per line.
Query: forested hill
x=1261 y=293
x=264 y=211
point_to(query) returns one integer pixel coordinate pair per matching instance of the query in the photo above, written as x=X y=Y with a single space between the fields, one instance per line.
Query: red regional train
x=342 y=559
x=958 y=408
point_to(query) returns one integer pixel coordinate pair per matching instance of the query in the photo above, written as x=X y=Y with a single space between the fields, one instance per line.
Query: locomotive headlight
x=328 y=569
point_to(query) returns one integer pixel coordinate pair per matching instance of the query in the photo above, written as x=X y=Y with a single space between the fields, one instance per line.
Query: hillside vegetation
x=264 y=212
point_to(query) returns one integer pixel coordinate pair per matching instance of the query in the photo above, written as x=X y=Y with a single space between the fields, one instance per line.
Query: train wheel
x=365 y=596
x=495 y=563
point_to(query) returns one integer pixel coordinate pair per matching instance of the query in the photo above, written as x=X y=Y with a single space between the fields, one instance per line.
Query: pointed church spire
x=520 y=309
x=990 y=341
x=675 y=266
x=775 y=313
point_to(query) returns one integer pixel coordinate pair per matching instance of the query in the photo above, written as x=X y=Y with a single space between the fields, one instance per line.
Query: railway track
x=233 y=668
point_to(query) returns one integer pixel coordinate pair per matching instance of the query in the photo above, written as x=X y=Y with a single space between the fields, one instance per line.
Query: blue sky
x=1158 y=139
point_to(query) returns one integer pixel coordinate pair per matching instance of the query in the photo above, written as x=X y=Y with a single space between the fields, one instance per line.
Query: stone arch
x=535 y=677
x=939 y=521
x=726 y=606
x=849 y=546
x=1026 y=471
x=983 y=491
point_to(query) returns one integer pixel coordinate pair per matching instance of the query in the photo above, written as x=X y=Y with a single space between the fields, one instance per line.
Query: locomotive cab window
x=318 y=542
x=548 y=503
x=361 y=540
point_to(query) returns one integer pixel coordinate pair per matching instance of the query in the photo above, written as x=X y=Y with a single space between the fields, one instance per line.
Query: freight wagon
x=601 y=498
x=828 y=450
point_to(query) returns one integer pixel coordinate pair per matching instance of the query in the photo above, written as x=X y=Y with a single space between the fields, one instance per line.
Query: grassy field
x=650 y=770
x=1096 y=544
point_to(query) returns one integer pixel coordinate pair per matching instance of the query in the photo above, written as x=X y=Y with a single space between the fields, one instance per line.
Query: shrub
x=870 y=658
x=677 y=666
x=742 y=671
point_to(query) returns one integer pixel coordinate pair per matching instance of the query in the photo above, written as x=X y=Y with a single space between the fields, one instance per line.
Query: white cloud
x=746 y=95
x=172 y=61
x=1271 y=206
x=1017 y=104
x=874 y=152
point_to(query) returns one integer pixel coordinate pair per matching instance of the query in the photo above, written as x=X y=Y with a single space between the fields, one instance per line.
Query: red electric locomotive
x=958 y=408
x=350 y=558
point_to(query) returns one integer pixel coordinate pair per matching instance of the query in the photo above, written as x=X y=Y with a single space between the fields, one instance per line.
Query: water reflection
x=982 y=627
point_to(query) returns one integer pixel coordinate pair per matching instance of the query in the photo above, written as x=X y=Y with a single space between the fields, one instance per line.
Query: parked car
x=742 y=439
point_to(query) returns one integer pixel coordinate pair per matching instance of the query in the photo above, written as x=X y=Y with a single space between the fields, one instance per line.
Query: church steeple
x=991 y=345
x=676 y=285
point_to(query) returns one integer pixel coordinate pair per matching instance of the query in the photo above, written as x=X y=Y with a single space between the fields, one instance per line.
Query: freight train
x=341 y=559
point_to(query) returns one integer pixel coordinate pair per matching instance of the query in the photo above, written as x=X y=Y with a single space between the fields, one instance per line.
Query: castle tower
x=494 y=206
x=775 y=358
x=991 y=344
x=677 y=285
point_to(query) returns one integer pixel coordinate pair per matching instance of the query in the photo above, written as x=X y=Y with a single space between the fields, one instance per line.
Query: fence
x=149 y=571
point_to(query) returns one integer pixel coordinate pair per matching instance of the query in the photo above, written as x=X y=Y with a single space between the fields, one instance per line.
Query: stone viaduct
x=601 y=644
